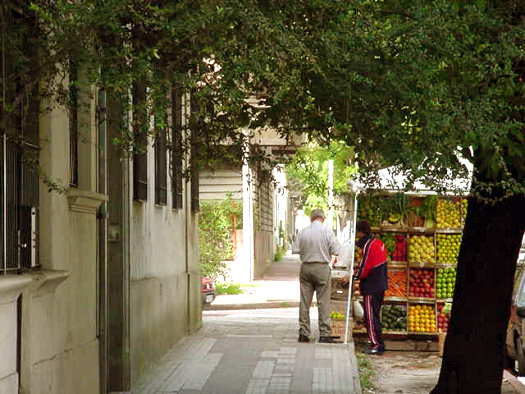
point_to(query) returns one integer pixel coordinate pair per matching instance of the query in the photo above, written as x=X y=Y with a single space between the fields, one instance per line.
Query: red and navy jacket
x=372 y=273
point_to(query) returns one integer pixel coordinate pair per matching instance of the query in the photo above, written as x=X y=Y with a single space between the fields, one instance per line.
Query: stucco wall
x=164 y=292
x=59 y=325
x=59 y=335
x=8 y=347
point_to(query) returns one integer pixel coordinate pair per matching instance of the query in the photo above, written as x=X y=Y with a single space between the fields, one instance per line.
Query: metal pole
x=331 y=194
x=351 y=271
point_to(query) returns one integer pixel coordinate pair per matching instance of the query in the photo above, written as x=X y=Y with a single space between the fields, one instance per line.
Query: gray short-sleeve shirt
x=316 y=243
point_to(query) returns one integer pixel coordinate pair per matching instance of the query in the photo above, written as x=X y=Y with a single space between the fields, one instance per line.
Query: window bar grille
x=12 y=182
x=176 y=151
x=28 y=209
x=194 y=158
x=73 y=126
x=160 y=168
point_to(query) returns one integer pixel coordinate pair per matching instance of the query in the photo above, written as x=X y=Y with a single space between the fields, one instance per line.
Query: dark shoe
x=376 y=352
x=303 y=338
x=326 y=340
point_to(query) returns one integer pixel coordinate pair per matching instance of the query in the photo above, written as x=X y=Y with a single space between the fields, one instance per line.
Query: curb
x=514 y=382
x=260 y=305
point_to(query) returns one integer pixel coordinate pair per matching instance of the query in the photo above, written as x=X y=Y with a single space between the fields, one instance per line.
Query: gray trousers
x=315 y=278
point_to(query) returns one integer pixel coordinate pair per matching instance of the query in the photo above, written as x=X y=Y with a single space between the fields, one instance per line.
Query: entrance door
x=114 y=255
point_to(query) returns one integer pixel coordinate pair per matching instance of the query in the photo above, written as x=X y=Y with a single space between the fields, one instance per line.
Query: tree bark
x=473 y=357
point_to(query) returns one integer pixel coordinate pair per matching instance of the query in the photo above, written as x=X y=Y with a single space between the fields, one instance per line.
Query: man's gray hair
x=316 y=214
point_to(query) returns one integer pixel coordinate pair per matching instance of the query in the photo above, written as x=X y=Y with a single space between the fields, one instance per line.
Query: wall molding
x=36 y=283
x=83 y=201
x=11 y=286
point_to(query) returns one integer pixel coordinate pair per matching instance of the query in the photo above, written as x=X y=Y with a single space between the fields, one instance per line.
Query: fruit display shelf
x=422 y=319
x=421 y=283
x=397 y=282
x=451 y=212
x=443 y=316
x=422 y=300
x=449 y=230
x=394 y=318
x=422 y=264
x=426 y=255
x=447 y=247
x=445 y=282
x=397 y=264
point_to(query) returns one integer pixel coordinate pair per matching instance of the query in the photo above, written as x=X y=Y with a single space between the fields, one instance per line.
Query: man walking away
x=372 y=276
x=315 y=244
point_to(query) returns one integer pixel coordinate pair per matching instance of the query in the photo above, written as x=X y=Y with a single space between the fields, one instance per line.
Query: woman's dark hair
x=362 y=226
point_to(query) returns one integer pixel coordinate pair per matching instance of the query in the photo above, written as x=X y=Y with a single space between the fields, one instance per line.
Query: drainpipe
x=187 y=217
x=247 y=220
x=102 y=266
x=126 y=263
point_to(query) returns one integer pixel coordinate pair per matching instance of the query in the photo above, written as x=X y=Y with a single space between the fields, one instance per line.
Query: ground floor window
x=19 y=205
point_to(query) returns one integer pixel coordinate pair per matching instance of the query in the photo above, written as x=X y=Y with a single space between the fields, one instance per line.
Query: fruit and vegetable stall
x=422 y=234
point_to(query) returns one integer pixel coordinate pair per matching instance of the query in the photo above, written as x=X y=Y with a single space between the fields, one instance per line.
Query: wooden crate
x=338 y=324
x=441 y=342
x=338 y=329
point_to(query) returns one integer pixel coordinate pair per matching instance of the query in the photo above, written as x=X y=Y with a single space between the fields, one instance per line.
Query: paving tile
x=257 y=386
x=264 y=369
x=253 y=352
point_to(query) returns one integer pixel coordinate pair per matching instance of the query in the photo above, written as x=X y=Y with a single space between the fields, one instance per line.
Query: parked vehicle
x=207 y=290
x=515 y=341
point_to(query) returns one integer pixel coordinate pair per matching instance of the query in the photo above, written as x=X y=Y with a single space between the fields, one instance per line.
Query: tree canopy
x=414 y=84
x=307 y=173
x=420 y=84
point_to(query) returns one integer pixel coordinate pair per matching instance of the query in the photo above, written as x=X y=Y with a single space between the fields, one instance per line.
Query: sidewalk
x=278 y=288
x=254 y=349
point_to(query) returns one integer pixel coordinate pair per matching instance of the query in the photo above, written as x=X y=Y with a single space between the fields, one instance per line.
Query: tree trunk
x=473 y=357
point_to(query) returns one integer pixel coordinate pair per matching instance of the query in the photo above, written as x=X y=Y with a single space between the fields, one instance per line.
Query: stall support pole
x=351 y=270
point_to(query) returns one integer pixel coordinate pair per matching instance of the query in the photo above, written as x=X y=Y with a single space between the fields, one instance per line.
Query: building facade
x=99 y=262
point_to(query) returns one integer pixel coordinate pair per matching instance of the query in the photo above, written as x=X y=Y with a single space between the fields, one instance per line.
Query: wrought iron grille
x=19 y=206
x=176 y=149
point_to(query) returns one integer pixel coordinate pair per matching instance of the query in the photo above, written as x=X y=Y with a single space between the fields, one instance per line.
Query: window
x=73 y=124
x=176 y=149
x=161 y=182
x=194 y=159
x=19 y=186
x=140 y=133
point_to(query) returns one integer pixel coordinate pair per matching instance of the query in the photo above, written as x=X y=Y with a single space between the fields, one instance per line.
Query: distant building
x=265 y=206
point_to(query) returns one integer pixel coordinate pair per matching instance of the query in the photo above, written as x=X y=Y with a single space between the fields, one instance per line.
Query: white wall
x=59 y=336
x=165 y=303
x=215 y=185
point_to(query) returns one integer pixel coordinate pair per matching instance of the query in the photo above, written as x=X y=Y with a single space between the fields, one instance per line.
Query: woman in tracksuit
x=372 y=276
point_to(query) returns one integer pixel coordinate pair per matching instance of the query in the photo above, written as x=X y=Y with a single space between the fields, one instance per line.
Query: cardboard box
x=339 y=272
x=337 y=290
x=338 y=307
